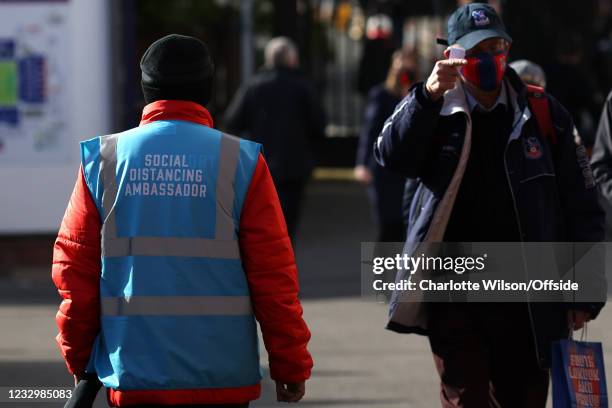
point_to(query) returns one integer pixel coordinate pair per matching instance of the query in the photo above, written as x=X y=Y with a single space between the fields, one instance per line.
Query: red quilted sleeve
x=270 y=267
x=76 y=274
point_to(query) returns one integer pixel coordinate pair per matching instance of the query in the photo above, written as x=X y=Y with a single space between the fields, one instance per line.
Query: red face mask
x=405 y=79
x=485 y=70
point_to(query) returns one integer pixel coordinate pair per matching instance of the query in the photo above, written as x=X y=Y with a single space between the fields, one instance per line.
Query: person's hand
x=77 y=378
x=362 y=174
x=291 y=392
x=576 y=319
x=443 y=77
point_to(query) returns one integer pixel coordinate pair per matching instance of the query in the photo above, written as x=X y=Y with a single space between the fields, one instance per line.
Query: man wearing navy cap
x=486 y=172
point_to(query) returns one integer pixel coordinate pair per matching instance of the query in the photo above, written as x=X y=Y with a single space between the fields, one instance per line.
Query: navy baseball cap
x=473 y=23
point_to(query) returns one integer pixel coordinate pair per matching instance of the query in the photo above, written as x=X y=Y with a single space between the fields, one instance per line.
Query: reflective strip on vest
x=171 y=246
x=224 y=245
x=228 y=161
x=108 y=170
x=176 y=306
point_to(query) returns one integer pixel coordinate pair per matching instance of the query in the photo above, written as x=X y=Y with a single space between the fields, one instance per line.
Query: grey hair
x=530 y=72
x=281 y=52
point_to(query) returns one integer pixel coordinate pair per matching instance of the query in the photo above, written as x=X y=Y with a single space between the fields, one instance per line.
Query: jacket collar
x=502 y=99
x=521 y=110
x=176 y=110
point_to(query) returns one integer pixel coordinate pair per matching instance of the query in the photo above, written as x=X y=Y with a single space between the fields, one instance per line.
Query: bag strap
x=538 y=102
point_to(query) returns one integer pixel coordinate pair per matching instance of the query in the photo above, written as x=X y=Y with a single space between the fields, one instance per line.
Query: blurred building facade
x=341 y=42
x=345 y=54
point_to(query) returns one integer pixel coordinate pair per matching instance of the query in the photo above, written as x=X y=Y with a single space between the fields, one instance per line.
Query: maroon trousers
x=485 y=355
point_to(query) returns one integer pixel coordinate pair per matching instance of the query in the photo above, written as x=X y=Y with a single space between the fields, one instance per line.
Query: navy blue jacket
x=380 y=105
x=279 y=108
x=554 y=196
x=387 y=187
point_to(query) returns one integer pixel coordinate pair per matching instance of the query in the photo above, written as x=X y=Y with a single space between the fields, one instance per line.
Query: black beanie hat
x=177 y=67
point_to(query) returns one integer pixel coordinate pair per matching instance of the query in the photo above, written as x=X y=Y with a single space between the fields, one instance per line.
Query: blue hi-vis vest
x=175 y=305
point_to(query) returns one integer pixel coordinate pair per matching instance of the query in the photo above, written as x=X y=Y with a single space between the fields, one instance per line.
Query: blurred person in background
x=601 y=160
x=385 y=189
x=569 y=80
x=161 y=278
x=602 y=47
x=279 y=108
x=488 y=173
x=378 y=48
x=530 y=72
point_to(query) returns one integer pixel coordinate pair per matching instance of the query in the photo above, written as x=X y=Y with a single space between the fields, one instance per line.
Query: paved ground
x=358 y=363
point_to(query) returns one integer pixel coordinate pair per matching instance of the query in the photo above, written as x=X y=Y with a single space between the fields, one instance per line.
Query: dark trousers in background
x=386 y=194
x=485 y=355
x=290 y=194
